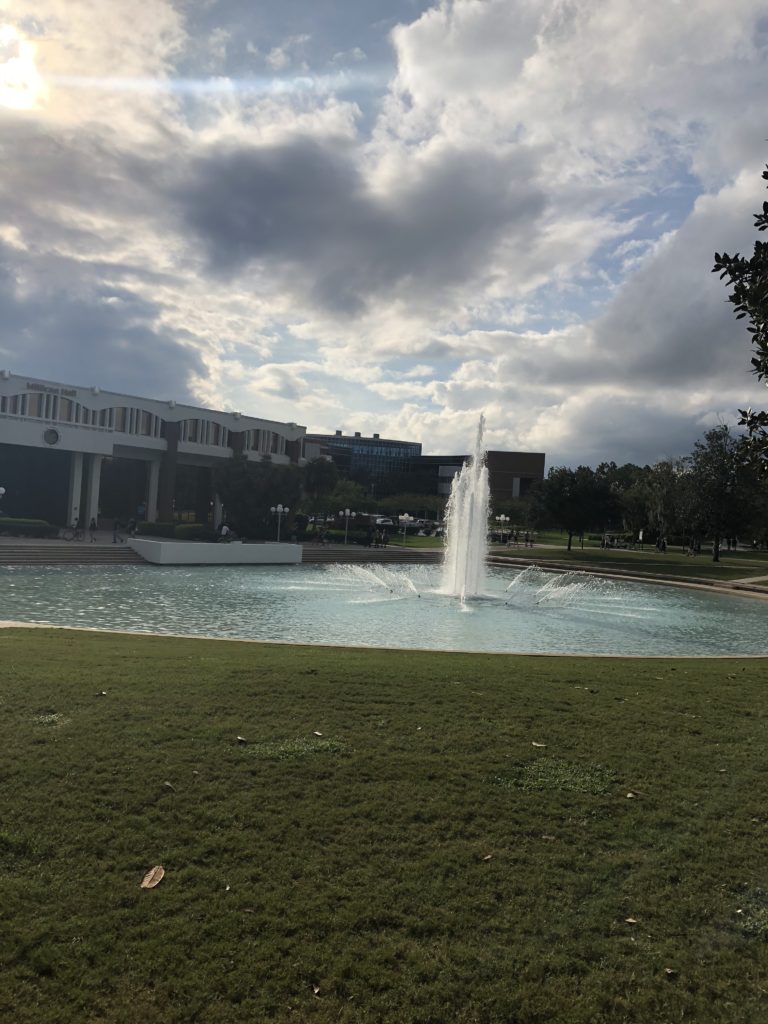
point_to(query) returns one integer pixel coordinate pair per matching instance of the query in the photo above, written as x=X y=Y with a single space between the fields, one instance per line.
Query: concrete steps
x=72 y=553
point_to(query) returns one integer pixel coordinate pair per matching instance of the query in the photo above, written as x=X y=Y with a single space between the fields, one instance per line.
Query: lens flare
x=21 y=85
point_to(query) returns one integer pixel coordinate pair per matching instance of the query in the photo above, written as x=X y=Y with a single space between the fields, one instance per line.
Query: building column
x=218 y=510
x=75 y=487
x=515 y=486
x=154 y=481
x=94 y=485
x=167 y=486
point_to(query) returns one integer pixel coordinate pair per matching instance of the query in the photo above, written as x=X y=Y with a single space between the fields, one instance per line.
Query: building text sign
x=46 y=390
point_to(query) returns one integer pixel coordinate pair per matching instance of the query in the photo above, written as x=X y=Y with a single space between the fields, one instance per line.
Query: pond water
x=526 y=611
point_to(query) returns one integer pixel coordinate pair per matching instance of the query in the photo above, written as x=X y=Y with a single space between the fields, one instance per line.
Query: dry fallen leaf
x=316 y=733
x=316 y=989
x=631 y=920
x=241 y=739
x=535 y=744
x=170 y=785
x=669 y=971
x=153 y=877
x=488 y=856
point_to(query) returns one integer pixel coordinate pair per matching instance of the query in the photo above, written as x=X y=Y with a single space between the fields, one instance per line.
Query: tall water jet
x=466 y=542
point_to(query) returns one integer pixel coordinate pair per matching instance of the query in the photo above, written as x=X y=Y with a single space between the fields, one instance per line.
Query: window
x=35 y=404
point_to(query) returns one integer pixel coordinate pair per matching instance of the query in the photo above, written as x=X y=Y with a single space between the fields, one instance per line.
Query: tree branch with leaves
x=749 y=281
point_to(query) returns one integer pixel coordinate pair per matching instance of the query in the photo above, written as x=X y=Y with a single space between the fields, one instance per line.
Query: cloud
x=304 y=209
x=283 y=56
x=512 y=206
x=108 y=334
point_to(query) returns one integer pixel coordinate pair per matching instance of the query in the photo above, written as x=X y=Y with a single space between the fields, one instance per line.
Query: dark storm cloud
x=103 y=336
x=77 y=192
x=89 y=170
x=304 y=208
x=624 y=429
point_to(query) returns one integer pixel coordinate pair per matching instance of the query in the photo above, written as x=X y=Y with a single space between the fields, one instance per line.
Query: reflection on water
x=388 y=606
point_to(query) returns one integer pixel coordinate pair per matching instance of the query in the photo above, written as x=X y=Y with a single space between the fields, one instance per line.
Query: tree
x=320 y=477
x=624 y=496
x=721 y=487
x=248 y=491
x=665 y=497
x=572 y=499
x=426 y=506
x=749 y=279
x=346 y=494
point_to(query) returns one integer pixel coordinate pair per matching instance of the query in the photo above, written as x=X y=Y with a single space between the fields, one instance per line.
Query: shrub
x=356 y=536
x=155 y=529
x=27 y=527
x=194 y=531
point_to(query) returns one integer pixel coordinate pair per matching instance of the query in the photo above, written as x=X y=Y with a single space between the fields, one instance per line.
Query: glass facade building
x=367 y=458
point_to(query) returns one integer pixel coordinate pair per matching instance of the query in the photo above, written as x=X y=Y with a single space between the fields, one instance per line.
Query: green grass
x=414 y=541
x=464 y=841
x=732 y=565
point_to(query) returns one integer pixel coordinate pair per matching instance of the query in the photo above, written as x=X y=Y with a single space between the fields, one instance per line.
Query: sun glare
x=21 y=86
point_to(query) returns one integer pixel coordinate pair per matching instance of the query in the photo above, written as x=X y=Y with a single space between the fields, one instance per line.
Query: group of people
x=376 y=538
x=516 y=536
x=93 y=529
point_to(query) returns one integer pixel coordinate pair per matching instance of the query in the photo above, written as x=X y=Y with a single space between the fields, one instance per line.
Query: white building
x=58 y=443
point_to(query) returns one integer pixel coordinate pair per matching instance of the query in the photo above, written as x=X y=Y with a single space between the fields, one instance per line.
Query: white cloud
x=524 y=223
x=287 y=53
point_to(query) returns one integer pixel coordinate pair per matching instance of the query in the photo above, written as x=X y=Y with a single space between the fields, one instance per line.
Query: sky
x=389 y=215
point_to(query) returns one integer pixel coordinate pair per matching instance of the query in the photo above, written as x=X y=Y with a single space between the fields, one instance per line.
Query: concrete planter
x=179 y=552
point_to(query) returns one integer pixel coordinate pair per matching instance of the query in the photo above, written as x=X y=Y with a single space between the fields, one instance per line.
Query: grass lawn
x=414 y=541
x=403 y=837
x=732 y=565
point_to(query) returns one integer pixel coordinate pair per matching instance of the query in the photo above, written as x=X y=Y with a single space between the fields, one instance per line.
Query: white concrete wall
x=177 y=552
x=73 y=437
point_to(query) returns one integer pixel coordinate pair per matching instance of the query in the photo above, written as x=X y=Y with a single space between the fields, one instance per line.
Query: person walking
x=92 y=527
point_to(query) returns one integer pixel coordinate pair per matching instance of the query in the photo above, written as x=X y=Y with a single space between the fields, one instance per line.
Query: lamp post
x=346 y=515
x=279 y=511
x=501 y=520
x=406 y=521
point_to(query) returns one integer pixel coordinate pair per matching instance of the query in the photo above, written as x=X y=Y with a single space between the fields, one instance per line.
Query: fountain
x=466 y=545
x=376 y=605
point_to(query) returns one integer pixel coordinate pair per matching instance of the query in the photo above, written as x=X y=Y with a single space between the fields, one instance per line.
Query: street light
x=501 y=520
x=346 y=515
x=406 y=520
x=279 y=511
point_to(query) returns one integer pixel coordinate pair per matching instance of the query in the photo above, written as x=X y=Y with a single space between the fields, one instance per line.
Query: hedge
x=27 y=527
x=156 y=529
x=194 y=531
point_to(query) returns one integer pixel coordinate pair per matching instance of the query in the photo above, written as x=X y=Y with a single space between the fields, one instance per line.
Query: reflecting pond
x=528 y=611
